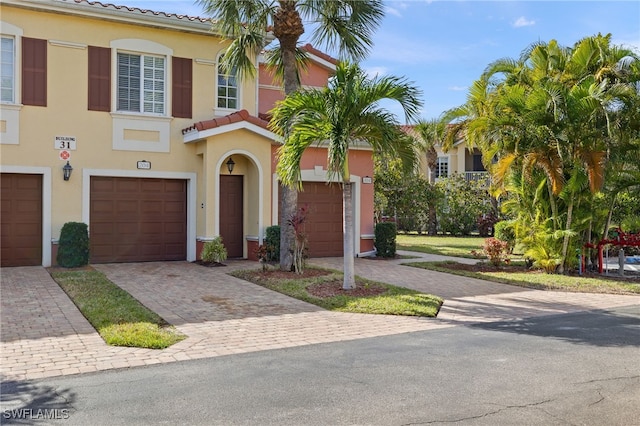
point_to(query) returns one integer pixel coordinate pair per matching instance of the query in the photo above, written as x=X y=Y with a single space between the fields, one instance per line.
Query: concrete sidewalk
x=44 y=335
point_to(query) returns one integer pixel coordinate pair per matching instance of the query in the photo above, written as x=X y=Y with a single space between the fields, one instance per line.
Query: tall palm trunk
x=554 y=206
x=607 y=225
x=288 y=28
x=432 y=162
x=348 y=231
x=565 y=241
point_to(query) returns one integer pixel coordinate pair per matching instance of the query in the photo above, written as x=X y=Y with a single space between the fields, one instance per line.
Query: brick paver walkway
x=43 y=334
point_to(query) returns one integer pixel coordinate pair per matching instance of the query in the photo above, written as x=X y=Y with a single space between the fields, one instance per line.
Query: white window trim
x=143 y=48
x=442 y=160
x=225 y=111
x=10 y=30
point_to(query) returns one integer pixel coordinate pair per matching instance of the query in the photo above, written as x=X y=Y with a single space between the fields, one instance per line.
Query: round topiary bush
x=385 y=239
x=73 y=246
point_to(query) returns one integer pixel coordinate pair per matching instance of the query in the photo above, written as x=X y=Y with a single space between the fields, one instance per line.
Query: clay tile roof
x=309 y=48
x=242 y=115
x=143 y=11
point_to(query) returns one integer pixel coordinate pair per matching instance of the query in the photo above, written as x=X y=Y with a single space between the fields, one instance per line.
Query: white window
x=7 y=70
x=141 y=83
x=442 y=168
x=227 y=88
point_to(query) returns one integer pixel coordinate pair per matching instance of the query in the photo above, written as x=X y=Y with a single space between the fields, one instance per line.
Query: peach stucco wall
x=360 y=166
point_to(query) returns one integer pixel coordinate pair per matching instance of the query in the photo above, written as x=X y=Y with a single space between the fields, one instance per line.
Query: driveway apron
x=43 y=334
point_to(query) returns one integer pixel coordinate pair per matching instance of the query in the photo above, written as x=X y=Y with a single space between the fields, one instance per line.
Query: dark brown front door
x=231 y=215
x=21 y=210
x=324 y=220
x=137 y=219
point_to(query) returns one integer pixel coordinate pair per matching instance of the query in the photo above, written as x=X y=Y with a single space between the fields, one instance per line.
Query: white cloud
x=627 y=43
x=523 y=22
x=375 y=71
x=393 y=11
x=396 y=10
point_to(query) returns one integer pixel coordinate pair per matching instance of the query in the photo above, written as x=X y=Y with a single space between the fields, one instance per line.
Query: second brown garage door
x=137 y=219
x=324 y=221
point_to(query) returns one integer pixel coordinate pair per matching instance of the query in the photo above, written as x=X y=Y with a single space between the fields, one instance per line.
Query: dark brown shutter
x=99 y=78
x=182 y=87
x=34 y=71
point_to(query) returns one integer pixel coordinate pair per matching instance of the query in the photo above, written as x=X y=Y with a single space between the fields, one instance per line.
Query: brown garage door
x=21 y=211
x=137 y=220
x=324 y=221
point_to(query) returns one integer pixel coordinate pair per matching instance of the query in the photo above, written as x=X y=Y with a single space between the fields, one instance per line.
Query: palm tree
x=342 y=25
x=429 y=134
x=554 y=110
x=345 y=114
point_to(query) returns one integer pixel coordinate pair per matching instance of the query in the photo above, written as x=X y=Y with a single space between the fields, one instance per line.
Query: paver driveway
x=44 y=335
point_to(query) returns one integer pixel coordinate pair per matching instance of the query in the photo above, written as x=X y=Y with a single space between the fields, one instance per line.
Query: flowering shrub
x=497 y=251
x=262 y=253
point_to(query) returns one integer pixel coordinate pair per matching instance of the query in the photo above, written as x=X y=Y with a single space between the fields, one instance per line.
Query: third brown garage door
x=137 y=219
x=324 y=221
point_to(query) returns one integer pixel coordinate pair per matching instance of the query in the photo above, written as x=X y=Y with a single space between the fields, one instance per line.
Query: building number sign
x=65 y=142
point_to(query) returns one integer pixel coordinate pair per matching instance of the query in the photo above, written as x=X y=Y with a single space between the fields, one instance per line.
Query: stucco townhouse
x=121 y=118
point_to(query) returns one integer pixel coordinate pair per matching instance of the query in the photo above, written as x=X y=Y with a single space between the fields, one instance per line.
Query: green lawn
x=540 y=280
x=389 y=300
x=118 y=317
x=443 y=245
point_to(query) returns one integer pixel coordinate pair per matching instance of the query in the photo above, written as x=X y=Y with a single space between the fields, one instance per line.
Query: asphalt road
x=577 y=369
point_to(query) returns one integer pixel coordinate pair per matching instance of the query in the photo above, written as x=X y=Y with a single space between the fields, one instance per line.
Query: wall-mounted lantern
x=66 y=171
x=230 y=164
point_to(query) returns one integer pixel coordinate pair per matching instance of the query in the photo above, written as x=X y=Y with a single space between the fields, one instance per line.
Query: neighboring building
x=135 y=102
x=458 y=160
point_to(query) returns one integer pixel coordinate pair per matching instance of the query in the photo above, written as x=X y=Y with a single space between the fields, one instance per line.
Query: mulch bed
x=322 y=290
x=334 y=288
x=209 y=264
x=278 y=274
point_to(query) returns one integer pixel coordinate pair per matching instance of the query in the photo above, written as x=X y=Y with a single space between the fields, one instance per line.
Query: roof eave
x=120 y=14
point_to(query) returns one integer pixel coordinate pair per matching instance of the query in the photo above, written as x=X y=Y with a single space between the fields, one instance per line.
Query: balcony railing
x=477 y=177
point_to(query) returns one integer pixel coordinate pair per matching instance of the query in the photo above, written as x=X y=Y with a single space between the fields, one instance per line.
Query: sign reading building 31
x=65 y=142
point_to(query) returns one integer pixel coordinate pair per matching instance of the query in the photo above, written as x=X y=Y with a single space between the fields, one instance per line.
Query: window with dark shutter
x=99 y=78
x=182 y=87
x=34 y=71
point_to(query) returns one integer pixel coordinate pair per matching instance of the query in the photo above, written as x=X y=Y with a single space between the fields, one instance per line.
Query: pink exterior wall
x=360 y=164
x=314 y=76
x=360 y=161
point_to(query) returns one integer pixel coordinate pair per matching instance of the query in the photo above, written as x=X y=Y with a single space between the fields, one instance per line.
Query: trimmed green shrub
x=214 y=251
x=272 y=241
x=504 y=231
x=73 y=246
x=463 y=202
x=385 y=239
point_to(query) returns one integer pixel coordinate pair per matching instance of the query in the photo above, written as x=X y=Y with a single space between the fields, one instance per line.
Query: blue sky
x=443 y=46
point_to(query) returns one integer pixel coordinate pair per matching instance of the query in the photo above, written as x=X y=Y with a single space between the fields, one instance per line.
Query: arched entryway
x=239 y=195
